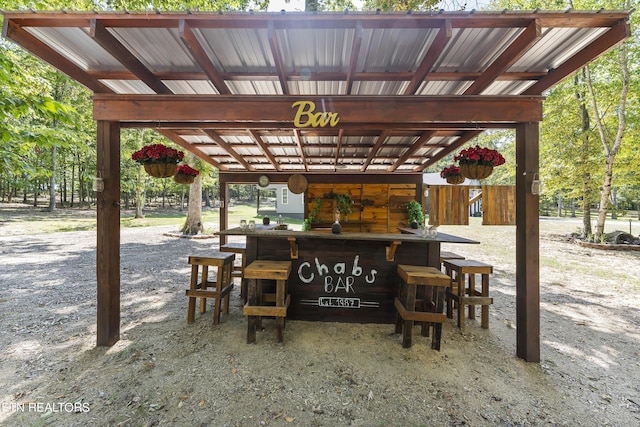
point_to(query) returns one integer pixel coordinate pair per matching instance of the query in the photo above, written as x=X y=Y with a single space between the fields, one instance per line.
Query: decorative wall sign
x=307 y=117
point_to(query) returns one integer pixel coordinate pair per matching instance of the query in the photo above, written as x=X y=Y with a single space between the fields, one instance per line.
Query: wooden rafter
x=173 y=136
x=430 y=58
x=277 y=58
x=381 y=139
x=191 y=42
x=226 y=147
x=614 y=36
x=339 y=147
x=353 y=60
x=104 y=38
x=329 y=76
x=32 y=44
x=464 y=138
x=509 y=56
x=418 y=144
x=300 y=144
x=265 y=149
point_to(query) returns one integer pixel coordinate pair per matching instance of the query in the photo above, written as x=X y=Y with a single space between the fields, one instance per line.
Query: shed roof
x=406 y=89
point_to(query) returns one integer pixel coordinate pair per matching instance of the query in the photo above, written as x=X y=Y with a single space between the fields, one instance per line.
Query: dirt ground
x=167 y=373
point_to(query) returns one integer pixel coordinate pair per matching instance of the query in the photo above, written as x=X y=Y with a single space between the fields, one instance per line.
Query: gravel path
x=165 y=372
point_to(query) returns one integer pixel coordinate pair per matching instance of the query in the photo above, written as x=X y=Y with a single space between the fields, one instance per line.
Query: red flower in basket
x=479 y=156
x=157 y=153
x=188 y=170
x=452 y=170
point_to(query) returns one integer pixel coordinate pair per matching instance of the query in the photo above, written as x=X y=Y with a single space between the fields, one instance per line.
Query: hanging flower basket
x=159 y=160
x=476 y=171
x=455 y=179
x=186 y=175
x=452 y=174
x=478 y=162
x=161 y=170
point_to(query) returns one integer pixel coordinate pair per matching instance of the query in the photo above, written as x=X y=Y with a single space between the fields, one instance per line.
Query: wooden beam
x=573 y=19
x=13 y=31
x=338 y=147
x=353 y=60
x=191 y=42
x=300 y=144
x=111 y=44
x=221 y=142
x=464 y=138
x=430 y=58
x=509 y=56
x=265 y=149
x=332 y=76
x=527 y=244
x=418 y=144
x=108 y=234
x=614 y=36
x=277 y=58
x=351 y=109
x=383 y=136
x=173 y=136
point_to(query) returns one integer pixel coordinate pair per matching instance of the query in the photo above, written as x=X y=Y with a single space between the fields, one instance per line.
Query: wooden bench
x=428 y=310
x=255 y=307
x=468 y=295
x=203 y=288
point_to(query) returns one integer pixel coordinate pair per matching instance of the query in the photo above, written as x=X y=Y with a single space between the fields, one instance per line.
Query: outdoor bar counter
x=347 y=277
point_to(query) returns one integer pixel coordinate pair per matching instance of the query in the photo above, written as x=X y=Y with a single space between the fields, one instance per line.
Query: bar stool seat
x=255 y=307
x=468 y=295
x=429 y=310
x=203 y=288
x=238 y=248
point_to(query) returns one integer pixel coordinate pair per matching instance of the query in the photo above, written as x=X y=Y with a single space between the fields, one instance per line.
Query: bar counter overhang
x=346 y=277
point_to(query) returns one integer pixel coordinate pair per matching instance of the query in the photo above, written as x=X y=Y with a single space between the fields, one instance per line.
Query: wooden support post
x=527 y=244
x=108 y=234
x=224 y=210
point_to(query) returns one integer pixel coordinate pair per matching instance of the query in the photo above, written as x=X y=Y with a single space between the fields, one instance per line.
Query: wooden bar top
x=268 y=231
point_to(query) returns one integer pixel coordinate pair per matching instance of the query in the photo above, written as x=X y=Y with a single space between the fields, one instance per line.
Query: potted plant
x=313 y=216
x=416 y=216
x=185 y=174
x=159 y=160
x=343 y=202
x=478 y=162
x=452 y=174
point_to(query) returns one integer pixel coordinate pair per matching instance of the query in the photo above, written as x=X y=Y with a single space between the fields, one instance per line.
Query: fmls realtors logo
x=307 y=117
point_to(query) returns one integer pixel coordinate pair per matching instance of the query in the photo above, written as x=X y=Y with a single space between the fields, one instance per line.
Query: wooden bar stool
x=431 y=306
x=255 y=273
x=459 y=268
x=444 y=255
x=200 y=286
x=238 y=248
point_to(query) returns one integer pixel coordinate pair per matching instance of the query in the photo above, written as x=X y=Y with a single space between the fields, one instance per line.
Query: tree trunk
x=559 y=206
x=584 y=154
x=614 y=203
x=611 y=149
x=193 y=224
x=52 y=180
x=139 y=195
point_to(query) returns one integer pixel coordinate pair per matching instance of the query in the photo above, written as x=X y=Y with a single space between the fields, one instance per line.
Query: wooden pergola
x=331 y=96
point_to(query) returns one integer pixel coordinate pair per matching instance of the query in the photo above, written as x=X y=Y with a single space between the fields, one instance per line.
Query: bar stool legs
x=462 y=295
x=255 y=307
x=428 y=310
x=203 y=288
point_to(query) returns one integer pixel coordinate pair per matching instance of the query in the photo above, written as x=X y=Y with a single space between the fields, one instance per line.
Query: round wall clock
x=263 y=181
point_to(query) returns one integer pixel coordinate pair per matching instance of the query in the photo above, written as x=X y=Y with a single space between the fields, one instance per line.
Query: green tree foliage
x=589 y=134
